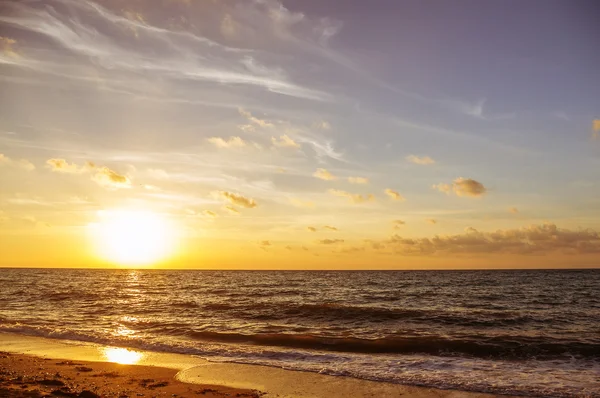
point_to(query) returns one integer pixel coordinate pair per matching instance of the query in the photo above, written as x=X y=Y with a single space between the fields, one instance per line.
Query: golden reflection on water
x=122 y=355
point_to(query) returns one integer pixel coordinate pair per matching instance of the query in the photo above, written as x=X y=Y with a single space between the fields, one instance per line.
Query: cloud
x=330 y=228
x=238 y=200
x=232 y=210
x=264 y=243
x=534 y=239
x=465 y=187
x=324 y=175
x=311 y=229
x=232 y=142
x=284 y=142
x=323 y=125
x=19 y=163
x=111 y=179
x=394 y=195
x=7 y=47
x=94 y=35
x=431 y=221
x=513 y=210
x=302 y=203
x=330 y=241
x=398 y=224
x=254 y=119
x=354 y=198
x=445 y=188
x=229 y=27
x=209 y=213
x=422 y=160
x=358 y=180
x=62 y=166
x=102 y=175
x=596 y=128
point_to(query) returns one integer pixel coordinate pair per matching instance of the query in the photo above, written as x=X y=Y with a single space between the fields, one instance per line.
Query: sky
x=300 y=134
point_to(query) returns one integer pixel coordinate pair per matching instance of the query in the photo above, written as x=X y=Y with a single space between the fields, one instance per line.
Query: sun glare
x=122 y=356
x=129 y=237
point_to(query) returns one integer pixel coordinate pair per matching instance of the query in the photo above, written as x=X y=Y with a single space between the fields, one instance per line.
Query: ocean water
x=531 y=333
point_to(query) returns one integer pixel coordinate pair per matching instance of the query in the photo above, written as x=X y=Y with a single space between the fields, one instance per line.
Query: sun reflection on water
x=122 y=355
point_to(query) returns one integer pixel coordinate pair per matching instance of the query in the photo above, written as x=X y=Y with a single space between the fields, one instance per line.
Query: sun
x=131 y=237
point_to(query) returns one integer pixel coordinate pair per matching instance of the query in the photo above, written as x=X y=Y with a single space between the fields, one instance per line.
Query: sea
x=520 y=332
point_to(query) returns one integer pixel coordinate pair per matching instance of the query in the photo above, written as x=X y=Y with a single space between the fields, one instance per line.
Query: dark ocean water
x=518 y=332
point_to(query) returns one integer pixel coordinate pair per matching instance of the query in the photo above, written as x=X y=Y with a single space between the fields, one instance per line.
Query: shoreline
x=191 y=374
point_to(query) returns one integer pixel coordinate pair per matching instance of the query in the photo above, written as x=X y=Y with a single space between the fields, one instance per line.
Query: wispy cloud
x=422 y=160
x=110 y=179
x=285 y=142
x=232 y=142
x=18 y=163
x=596 y=128
x=358 y=180
x=330 y=241
x=354 y=198
x=398 y=224
x=302 y=203
x=209 y=213
x=62 y=166
x=323 y=174
x=255 y=120
x=7 y=46
x=394 y=195
x=237 y=199
x=96 y=33
x=232 y=210
x=102 y=175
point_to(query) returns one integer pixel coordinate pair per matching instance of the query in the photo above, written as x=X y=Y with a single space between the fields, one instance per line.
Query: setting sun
x=131 y=237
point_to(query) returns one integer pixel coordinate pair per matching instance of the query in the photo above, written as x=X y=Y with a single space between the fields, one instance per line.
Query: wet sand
x=42 y=367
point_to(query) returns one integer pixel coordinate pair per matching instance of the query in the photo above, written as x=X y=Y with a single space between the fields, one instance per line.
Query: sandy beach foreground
x=31 y=376
x=41 y=367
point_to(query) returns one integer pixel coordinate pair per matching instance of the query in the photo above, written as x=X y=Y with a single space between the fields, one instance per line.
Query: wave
x=332 y=312
x=500 y=347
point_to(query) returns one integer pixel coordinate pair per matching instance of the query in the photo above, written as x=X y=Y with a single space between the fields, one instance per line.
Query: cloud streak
x=534 y=239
